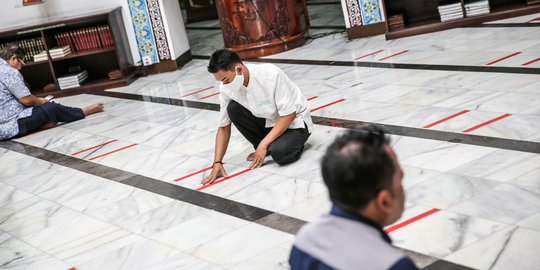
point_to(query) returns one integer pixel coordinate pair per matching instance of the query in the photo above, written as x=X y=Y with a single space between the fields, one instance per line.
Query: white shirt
x=269 y=95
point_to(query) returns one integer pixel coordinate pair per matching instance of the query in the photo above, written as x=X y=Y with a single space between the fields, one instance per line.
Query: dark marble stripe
x=513 y=70
x=501 y=143
x=497 y=25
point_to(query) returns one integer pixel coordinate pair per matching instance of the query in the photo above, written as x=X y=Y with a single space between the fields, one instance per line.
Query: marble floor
x=121 y=189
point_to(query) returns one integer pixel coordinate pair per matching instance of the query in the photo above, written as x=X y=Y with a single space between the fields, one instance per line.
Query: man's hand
x=217 y=171
x=43 y=100
x=258 y=156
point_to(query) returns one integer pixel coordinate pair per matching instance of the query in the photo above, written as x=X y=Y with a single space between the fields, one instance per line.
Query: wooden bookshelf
x=97 y=58
x=422 y=16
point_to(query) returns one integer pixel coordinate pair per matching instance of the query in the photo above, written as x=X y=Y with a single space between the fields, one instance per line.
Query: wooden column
x=254 y=28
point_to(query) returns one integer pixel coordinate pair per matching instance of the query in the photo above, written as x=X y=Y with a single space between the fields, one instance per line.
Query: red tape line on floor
x=93 y=147
x=411 y=220
x=114 y=151
x=530 y=62
x=192 y=174
x=446 y=118
x=500 y=59
x=395 y=54
x=313 y=97
x=369 y=54
x=487 y=122
x=198 y=91
x=331 y=103
x=224 y=179
x=214 y=94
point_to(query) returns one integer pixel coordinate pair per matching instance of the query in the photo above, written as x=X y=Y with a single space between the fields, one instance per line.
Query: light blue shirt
x=12 y=88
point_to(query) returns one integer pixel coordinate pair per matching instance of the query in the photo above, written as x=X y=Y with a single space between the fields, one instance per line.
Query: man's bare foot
x=94 y=108
x=251 y=157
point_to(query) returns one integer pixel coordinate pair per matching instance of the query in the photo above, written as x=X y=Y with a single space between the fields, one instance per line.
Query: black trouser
x=285 y=149
x=48 y=112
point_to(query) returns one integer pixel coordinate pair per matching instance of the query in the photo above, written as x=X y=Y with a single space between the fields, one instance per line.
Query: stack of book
x=115 y=74
x=42 y=56
x=72 y=80
x=476 y=7
x=58 y=52
x=450 y=10
x=396 y=22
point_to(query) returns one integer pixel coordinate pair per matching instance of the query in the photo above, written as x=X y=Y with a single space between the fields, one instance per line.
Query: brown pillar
x=255 y=28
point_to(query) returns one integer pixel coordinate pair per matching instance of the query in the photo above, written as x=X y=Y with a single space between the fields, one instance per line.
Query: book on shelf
x=72 y=80
x=86 y=39
x=450 y=10
x=396 y=22
x=31 y=46
x=115 y=74
x=59 y=52
x=42 y=56
x=476 y=7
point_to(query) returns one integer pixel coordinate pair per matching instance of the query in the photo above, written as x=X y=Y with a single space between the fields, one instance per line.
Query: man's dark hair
x=356 y=167
x=10 y=50
x=223 y=59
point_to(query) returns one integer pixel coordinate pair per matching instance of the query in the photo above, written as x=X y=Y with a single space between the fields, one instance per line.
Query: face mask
x=235 y=84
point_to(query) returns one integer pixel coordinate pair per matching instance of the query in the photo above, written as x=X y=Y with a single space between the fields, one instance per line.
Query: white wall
x=174 y=26
x=14 y=14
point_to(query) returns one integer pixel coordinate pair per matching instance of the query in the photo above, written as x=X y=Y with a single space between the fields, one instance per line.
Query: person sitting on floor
x=20 y=111
x=265 y=106
x=363 y=178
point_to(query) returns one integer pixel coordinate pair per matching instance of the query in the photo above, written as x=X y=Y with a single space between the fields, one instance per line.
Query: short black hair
x=356 y=167
x=223 y=59
x=10 y=50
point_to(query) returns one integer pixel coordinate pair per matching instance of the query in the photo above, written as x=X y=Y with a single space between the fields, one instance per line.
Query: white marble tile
x=15 y=254
x=309 y=209
x=183 y=261
x=178 y=169
x=447 y=156
x=511 y=248
x=161 y=218
x=98 y=123
x=38 y=217
x=71 y=148
x=199 y=230
x=443 y=233
x=10 y=194
x=445 y=190
x=309 y=160
x=138 y=255
x=53 y=137
x=135 y=131
x=388 y=92
x=414 y=175
x=512 y=103
x=283 y=195
x=139 y=202
x=94 y=245
x=531 y=179
x=89 y=193
x=532 y=222
x=506 y=203
x=69 y=230
x=249 y=240
x=275 y=258
x=146 y=162
x=448 y=79
x=500 y=165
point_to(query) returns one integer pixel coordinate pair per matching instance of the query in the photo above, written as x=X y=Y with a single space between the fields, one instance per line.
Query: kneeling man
x=265 y=106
